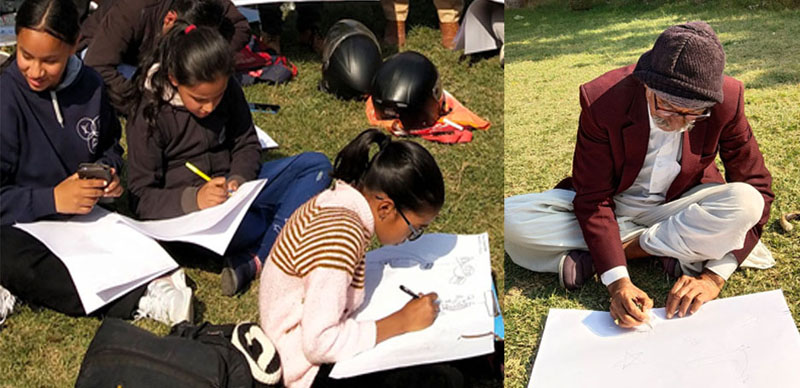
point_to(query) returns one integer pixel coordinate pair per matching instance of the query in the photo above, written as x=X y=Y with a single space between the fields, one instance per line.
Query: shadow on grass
x=752 y=40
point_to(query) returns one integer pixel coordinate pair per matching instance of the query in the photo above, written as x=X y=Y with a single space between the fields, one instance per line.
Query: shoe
x=395 y=33
x=671 y=267
x=167 y=299
x=311 y=39
x=238 y=272
x=449 y=32
x=6 y=304
x=576 y=269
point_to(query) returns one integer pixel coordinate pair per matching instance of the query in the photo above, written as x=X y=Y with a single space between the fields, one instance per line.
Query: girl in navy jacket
x=54 y=115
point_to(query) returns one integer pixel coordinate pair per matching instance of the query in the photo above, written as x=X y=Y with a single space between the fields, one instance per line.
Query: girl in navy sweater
x=55 y=115
x=191 y=110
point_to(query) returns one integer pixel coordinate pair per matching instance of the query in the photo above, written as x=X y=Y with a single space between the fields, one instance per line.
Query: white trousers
x=699 y=229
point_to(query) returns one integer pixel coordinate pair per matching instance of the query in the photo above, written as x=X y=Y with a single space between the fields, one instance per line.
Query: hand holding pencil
x=420 y=311
x=629 y=305
x=212 y=193
x=215 y=191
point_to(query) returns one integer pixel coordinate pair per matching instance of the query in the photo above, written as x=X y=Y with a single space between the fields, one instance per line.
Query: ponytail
x=190 y=54
x=404 y=170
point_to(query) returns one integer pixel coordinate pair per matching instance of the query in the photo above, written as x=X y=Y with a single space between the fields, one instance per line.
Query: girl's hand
x=420 y=313
x=417 y=314
x=114 y=189
x=232 y=186
x=212 y=193
x=77 y=196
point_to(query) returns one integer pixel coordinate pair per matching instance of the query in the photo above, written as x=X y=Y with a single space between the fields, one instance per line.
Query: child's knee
x=315 y=160
x=318 y=164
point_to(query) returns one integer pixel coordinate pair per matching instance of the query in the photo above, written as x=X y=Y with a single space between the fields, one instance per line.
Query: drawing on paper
x=462 y=271
x=630 y=359
x=737 y=357
x=459 y=302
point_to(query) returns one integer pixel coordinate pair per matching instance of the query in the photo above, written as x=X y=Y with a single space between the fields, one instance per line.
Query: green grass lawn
x=42 y=348
x=553 y=50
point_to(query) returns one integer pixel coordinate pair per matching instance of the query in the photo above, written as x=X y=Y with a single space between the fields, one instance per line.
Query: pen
x=197 y=171
x=409 y=292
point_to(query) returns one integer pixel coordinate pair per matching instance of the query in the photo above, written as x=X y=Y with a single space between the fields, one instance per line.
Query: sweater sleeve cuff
x=238 y=178
x=189 y=200
x=614 y=274
x=43 y=202
x=724 y=267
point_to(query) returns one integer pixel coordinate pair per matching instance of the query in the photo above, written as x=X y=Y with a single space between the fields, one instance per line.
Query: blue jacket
x=44 y=136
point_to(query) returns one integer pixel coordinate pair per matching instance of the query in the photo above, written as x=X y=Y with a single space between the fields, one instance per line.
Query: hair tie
x=189 y=28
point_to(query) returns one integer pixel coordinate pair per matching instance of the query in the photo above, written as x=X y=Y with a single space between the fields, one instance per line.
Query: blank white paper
x=105 y=258
x=458 y=269
x=745 y=341
x=212 y=228
x=264 y=138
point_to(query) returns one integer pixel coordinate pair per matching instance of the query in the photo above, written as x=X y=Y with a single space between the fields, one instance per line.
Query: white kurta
x=700 y=229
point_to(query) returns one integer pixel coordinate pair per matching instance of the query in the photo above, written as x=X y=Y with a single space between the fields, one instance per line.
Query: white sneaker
x=6 y=304
x=167 y=299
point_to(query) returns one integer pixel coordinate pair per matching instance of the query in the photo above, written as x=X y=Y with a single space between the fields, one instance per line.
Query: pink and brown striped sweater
x=312 y=282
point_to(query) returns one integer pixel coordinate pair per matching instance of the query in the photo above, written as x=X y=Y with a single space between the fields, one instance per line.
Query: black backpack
x=223 y=356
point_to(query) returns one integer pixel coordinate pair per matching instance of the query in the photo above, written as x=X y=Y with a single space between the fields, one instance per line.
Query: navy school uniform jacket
x=224 y=143
x=44 y=136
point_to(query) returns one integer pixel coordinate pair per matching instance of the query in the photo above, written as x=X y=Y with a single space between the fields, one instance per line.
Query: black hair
x=208 y=13
x=189 y=53
x=58 y=18
x=404 y=170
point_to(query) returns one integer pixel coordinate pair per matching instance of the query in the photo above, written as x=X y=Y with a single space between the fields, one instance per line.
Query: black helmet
x=407 y=87
x=350 y=57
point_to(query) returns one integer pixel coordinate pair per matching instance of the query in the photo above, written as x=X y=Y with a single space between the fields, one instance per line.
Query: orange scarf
x=453 y=127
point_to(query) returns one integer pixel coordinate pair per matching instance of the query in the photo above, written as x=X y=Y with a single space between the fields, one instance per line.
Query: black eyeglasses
x=415 y=233
x=690 y=117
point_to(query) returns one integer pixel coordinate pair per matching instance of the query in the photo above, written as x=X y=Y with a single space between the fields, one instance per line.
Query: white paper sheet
x=105 y=258
x=265 y=139
x=212 y=228
x=745 y=341
x=458 y=269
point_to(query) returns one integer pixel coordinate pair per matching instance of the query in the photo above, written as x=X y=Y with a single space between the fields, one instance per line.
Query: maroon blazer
x=612 y=141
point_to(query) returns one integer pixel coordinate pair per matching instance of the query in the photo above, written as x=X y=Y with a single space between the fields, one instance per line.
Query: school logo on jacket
x=87 y=130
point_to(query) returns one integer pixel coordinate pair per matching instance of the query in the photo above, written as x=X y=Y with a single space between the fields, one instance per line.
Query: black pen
x=409 y=292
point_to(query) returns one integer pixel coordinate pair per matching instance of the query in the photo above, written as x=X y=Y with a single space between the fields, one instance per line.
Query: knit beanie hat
x=686 y=62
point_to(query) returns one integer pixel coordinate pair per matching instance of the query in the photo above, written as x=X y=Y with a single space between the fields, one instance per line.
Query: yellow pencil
x=197 y=171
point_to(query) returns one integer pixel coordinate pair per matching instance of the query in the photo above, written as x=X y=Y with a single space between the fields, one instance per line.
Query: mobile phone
x=264 y=108
x=94 y=171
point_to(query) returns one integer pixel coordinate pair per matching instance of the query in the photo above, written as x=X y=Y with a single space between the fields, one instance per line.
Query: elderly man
x=646 y=185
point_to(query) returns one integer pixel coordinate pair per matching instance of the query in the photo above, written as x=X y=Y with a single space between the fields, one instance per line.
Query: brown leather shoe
x=311 y=39
x=577 y=268
x=449 y=31
x=395 y=33
x=671 y=267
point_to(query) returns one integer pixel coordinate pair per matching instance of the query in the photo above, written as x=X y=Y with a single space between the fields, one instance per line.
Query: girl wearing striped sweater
x=313 y=280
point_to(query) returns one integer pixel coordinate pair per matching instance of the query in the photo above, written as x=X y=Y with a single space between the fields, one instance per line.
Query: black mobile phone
x=264 y=108
x=94 y=171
